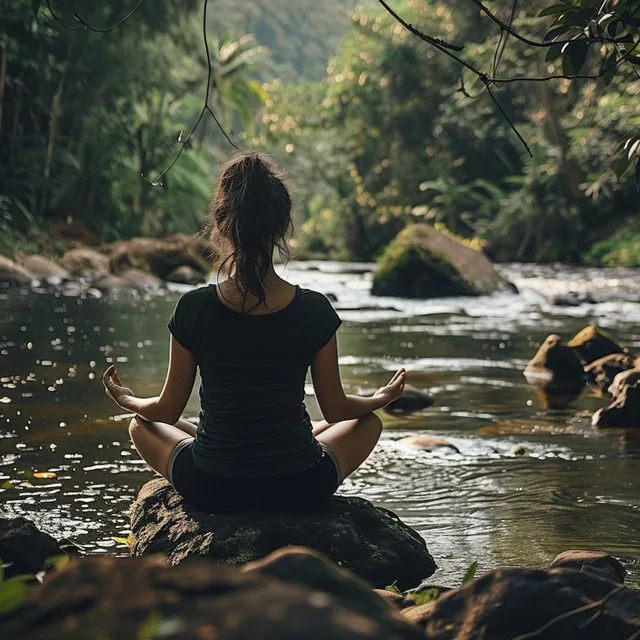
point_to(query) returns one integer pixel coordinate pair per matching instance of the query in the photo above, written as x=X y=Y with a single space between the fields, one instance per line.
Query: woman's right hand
x=393 y=389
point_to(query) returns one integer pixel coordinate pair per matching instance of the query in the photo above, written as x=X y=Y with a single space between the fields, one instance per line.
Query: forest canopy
x=376 y=126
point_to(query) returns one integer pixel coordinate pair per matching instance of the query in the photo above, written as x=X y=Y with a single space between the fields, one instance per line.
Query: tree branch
x=80 y=22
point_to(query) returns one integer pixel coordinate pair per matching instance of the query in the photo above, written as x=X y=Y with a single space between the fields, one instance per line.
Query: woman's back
x=253 y=367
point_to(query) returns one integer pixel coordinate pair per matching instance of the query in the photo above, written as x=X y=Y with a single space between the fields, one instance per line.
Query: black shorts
x=301 y=491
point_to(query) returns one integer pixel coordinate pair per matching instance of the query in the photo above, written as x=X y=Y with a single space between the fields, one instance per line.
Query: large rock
x=11 y=273
x=601 y=372
x=160 y=256
x=24 y=549
x=556 y=372
x=373 y=543
x=122 y=598
x=185 y=274
x=131 y=279
x=591 y=343
x=558 y=604
x=422 y=262
x=85 y=262
x=45 y=268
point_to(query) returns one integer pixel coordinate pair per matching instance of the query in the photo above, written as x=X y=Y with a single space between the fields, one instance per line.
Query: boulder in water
x=24 y=548
x=556 y=371
x=371 y=542
x=11 y=273
x=601 y=372
x=44 y=268
x=131 y=279
x=410 y=401
x=592 y=343
x=85 y=262
x=422 y=262
x=624 y=411
x=184 y=274
x=284 y=598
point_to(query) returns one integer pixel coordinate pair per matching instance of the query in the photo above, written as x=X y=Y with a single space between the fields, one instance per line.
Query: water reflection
x=574 y=487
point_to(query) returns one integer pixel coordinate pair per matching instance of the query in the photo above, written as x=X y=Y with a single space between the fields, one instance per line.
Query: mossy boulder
x=371 y=542
x=422 y=262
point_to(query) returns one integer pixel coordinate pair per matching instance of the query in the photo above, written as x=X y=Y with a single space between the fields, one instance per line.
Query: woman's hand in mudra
x=393 y=389
x=114 y=388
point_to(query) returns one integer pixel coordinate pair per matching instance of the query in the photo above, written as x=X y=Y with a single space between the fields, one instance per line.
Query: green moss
x=243 y=541
x=410 y=271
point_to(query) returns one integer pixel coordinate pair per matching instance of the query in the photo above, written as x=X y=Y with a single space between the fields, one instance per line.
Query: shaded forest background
x=369 y=122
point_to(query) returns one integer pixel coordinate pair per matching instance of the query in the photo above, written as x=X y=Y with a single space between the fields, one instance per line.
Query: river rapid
x=65 y=459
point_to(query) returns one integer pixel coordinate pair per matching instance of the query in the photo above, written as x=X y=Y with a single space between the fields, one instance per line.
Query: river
x=65 y=459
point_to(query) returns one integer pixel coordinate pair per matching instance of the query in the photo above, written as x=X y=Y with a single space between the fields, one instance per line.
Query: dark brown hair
x=250 y=215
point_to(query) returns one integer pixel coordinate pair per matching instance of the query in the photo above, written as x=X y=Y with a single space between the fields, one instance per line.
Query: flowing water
x=65 y=459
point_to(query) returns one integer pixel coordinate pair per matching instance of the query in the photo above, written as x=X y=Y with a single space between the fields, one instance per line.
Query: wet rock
x=572 y=299
x=422 y=262
x=24 y=549
x=623 y=412
x=11 y=273
x=85 y=262
x=121 y=598
x=592 y=344
x=411 y=401
x=625 y=379
x=332 y=297
x=519 y=450
x=598 y=562
x=186 y=275
x=511 y=603
x=44 y=268
x=131 y=279
x=427 y=443
x=373 y=543
x=160 y=256
x=601 y=372
x=556 y=371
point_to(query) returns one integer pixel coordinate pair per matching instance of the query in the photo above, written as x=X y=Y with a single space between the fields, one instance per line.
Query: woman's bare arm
x=169 y=405
x=334 y=403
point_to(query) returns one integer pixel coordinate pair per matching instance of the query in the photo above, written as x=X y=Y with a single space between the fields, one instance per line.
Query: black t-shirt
x=253 y=421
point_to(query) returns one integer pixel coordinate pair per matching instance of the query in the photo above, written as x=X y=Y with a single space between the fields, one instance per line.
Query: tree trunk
x=558 y=136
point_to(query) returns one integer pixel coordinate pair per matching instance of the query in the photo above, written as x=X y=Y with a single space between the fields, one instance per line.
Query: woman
x=253 y=338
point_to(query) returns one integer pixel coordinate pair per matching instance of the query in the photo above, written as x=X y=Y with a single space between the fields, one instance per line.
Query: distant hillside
x=302 y=35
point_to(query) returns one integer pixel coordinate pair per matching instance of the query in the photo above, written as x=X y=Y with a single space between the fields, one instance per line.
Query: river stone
x=556 y=370
x=602 y=372
x=86 y=262
x=12 y=273
x=42 y=267
x=185 y=274
x=427 y=443
x=411 y=400
x=526 y=603
x=623 y=412
x=625 y=379
x=422 y=262
x=24 y=549
x=371 y=542
x=127 y=598
x=591 y=343
x=597 y=561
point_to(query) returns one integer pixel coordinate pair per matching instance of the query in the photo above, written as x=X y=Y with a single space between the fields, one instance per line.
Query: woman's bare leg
x=155 y=441
x=350 y=441
x=188 y=427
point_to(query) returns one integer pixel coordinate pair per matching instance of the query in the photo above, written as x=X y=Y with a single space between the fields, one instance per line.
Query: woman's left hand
x=115 y=389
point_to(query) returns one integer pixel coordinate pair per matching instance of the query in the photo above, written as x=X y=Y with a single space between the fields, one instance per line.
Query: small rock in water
x=427 y=443
x=412 y=400
x=602 y=372
x=571 y=299
x=46 y=268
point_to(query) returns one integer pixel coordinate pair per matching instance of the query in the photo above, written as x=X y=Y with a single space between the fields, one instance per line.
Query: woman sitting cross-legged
x=253 y=338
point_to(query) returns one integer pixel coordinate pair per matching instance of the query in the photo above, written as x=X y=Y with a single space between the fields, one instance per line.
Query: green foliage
x=88 y=119
x=470 y=574
x=621 y=249
x=393 y=589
